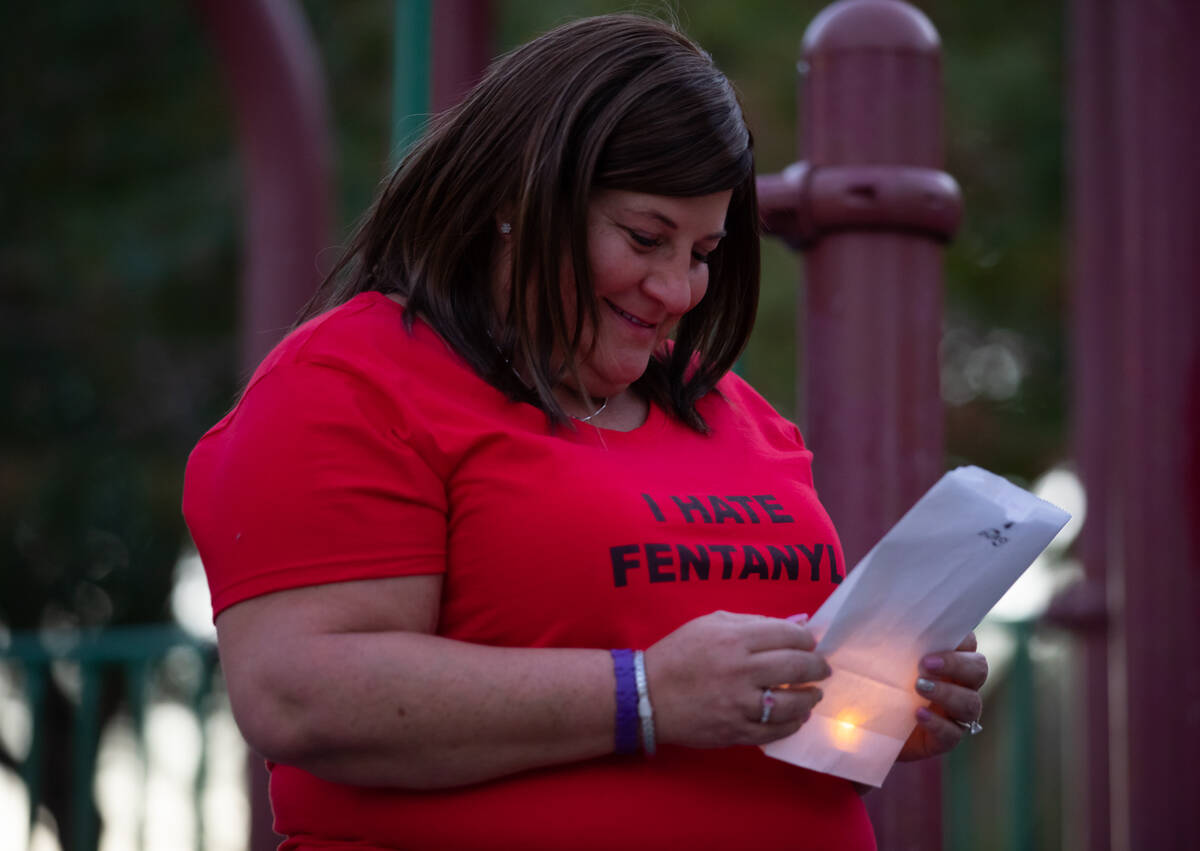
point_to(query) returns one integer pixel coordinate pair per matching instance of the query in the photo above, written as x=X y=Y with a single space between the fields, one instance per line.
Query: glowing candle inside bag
x=846 y=732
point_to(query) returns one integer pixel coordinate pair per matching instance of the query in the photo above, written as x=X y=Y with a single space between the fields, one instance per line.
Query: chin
x=613 y=384
x=612 y=375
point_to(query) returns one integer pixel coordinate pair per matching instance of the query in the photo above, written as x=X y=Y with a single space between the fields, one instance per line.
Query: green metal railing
x=135 y=653
x=993 y=784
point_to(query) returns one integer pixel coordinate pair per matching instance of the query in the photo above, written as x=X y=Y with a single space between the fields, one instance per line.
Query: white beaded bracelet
x=645 y=710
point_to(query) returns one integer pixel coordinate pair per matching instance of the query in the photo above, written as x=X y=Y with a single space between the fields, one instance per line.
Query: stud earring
x=505 y=227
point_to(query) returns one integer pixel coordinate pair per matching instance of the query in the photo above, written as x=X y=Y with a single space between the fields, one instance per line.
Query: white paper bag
x=926 y=584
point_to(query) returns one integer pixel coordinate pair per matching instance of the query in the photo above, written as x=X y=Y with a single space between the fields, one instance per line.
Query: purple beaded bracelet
x=627 y=701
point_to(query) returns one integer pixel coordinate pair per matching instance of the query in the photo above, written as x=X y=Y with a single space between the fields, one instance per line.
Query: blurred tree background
x=120 y=256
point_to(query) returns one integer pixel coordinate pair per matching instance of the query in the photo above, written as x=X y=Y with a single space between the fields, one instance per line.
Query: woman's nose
x=671 y=286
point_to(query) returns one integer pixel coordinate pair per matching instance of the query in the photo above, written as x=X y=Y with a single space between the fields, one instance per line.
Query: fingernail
x=800 y=618
x=925 y=686
x=933 y=663
x=820 y=694
x=924 y=714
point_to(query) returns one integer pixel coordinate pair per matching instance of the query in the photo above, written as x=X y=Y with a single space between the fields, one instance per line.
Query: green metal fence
x=1002 y=790
x=132 y=655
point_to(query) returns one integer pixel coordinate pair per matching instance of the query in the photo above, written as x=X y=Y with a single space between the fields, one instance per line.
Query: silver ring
x=768 y=703
x=972 y=727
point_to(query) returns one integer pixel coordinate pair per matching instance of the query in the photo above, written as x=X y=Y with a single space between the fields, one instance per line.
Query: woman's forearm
x=350 y=682
x=419 y=711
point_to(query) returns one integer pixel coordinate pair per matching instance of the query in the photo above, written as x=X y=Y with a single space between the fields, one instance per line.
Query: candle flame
x=846 y=732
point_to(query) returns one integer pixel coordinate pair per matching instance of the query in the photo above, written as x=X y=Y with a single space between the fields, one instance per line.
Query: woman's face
x=647 y=255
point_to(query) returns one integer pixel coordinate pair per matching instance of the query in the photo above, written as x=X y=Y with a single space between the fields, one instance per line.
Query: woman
x=448 y=503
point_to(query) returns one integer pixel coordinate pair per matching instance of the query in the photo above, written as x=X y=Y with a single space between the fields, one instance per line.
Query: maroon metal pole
x=1094 y=157
x=462 y=48
x=277 y=85
x=1136 y=204
x=872 y=96
x=872 y=207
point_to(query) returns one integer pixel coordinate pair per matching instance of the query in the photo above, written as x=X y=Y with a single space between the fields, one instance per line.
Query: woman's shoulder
x=364 y=335
x=359 y=360
x=734 y=403
x=351 y=377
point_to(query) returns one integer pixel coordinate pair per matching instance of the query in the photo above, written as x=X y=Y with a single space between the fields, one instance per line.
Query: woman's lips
x=629 y=317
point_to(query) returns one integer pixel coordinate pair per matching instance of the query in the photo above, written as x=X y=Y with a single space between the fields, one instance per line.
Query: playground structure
x=868 y=207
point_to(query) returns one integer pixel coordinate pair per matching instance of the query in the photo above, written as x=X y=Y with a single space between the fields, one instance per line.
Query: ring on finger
x=972 y=727
x=768 y=703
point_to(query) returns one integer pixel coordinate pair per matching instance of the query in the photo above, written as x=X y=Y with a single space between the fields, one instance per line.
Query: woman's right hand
x=706 y=680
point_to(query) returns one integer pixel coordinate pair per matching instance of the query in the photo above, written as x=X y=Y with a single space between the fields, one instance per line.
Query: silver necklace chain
x=594 y=413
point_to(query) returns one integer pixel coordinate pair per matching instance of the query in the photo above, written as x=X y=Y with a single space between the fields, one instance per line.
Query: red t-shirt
x=361 y=451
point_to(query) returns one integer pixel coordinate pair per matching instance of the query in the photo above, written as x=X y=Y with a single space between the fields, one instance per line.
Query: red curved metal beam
x=276 y=81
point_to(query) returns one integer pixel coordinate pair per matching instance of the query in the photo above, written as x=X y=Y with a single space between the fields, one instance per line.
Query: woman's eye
x=701 y=258
x=643 y=240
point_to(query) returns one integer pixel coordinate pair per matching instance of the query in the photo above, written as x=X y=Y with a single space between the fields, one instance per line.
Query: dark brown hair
x=613 y=102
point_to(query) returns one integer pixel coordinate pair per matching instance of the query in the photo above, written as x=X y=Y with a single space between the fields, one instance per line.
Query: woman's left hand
x=951 y=682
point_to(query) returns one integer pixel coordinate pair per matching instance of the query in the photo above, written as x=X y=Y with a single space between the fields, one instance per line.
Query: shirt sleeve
x=307 y=481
